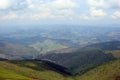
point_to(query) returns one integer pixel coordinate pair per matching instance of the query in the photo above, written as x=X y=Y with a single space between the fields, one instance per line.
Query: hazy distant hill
x=3 y=59
x=15 y=51
x=112 y=45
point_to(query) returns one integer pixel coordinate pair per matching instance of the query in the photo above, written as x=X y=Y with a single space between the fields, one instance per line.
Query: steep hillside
x=39 y=70
x=62 y=64
x=108 y=47
x=15 y=51
x=109 y=71
x=29 y=70
x=79 y=61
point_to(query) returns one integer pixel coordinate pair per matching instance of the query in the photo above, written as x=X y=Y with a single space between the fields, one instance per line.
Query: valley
x=59 y=39
x=60 y=54
x=54 y=37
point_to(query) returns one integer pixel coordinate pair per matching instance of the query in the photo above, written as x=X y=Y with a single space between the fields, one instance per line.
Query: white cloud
x=52 y=5
x=97 y=12
x=58 y=9
x=42 y=15
x=9 y=16
x=114 y=3
x=84 y=17
x=60 y=14
x=104 y=3
x=52 y=9
x=97 y=3
x=116 y=15
x=61 y=4
x=38 y=9
x=4 y=4
x=93 y=14
x=64 y=12
x=35 y=4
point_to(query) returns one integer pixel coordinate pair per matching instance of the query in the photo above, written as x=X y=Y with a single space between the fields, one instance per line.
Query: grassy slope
x=28 y=71
x=109 y=71
x=7 y=73
x=11 y=75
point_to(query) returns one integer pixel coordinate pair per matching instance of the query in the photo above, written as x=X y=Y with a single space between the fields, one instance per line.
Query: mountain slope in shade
x=79 y=61
x=3 y=59
x=112 y=47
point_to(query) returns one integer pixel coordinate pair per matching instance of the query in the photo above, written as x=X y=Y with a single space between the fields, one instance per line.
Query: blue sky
x=89 y=12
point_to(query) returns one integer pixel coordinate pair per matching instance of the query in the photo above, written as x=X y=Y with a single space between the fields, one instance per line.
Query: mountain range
x=83 y=63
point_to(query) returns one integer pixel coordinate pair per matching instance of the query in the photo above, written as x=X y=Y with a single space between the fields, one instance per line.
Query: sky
x=83 y=12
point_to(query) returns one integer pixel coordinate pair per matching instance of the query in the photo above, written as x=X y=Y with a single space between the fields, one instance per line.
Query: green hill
x=109 y=71
x=37 y=70
x=29 y=70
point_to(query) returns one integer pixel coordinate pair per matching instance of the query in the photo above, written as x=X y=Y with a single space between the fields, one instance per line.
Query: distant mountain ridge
x=3 y=59
x=79 y=60
x=64 y=64
x=111 y=45
x=16 y=51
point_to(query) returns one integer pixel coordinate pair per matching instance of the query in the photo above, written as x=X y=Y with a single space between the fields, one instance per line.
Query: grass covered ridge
x=109 y=71
x=26 y=70
x=35 y=70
